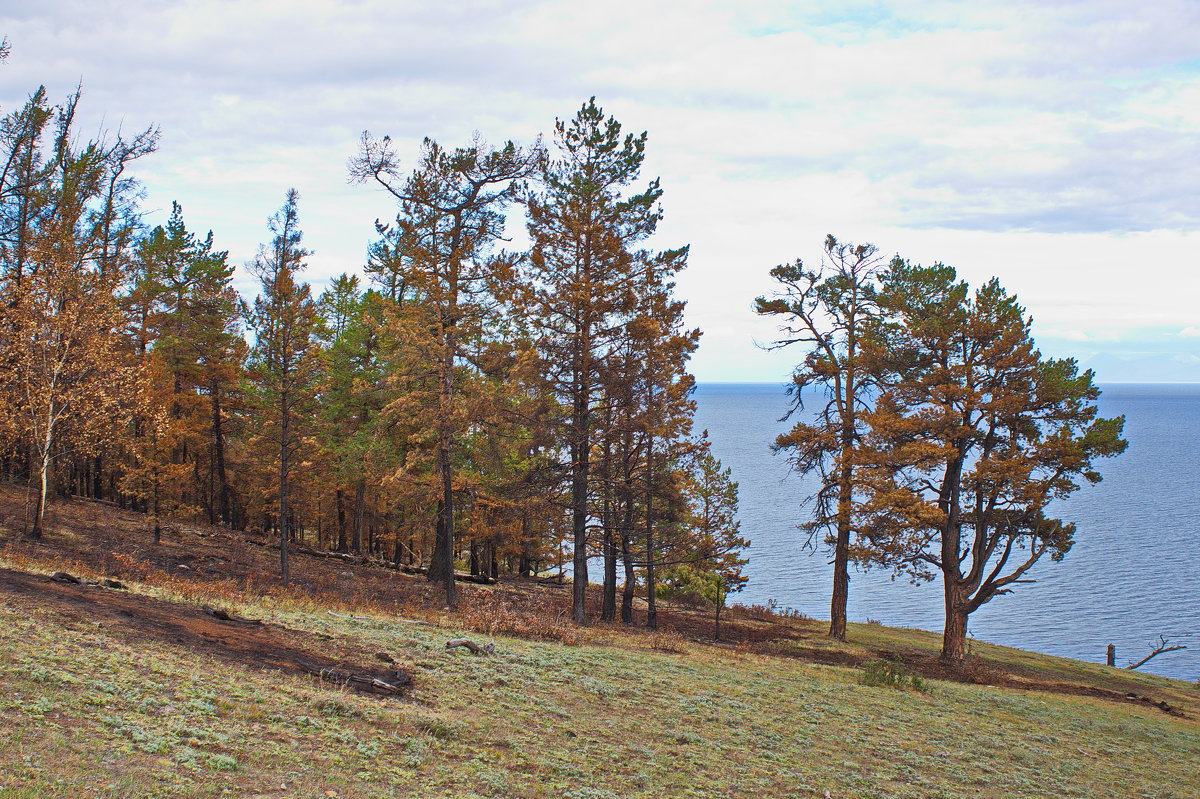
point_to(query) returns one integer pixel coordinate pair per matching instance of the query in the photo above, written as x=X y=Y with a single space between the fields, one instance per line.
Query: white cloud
x=1051 y=144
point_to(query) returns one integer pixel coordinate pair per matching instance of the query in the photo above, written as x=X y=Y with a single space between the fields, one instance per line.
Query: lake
x=1133 y=574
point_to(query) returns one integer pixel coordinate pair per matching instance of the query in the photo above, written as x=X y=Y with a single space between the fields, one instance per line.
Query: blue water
x=1133 y=574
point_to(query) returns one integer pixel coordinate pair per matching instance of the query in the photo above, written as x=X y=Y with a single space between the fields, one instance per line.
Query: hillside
x=141 y=691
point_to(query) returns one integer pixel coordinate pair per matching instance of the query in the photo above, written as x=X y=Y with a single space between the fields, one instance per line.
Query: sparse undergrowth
x=90 y=707
x=891 y=674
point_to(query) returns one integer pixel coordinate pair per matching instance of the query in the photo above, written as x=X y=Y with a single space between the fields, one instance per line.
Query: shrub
x=891 y=673
x=533 y=617
x=672 y=643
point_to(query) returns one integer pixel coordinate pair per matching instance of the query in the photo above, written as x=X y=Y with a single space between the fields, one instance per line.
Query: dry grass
x=530 y=615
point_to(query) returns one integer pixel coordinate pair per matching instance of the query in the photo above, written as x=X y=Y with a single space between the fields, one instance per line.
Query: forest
x=472 y=412
x=466 y=407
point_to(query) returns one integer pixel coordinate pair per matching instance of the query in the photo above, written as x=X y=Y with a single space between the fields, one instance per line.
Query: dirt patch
x=1074 y=689
x=195 y=629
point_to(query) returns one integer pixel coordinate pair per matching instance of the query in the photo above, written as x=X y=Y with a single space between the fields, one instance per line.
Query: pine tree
x=156 y=433
x=357 y=342
x=831 y=310
x=283 y=360
x=451 y=215
x=183 y=305
x=717 y=541
x=973 y=436
x=578 y=286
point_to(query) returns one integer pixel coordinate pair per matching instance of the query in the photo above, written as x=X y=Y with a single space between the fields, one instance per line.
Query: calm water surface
x=1133 y=573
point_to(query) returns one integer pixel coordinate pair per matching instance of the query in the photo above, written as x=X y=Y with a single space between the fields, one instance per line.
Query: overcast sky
x=1053 y=144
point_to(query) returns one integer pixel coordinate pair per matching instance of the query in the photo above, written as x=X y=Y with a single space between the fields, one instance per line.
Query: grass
x=91 y=709
x=85 y=712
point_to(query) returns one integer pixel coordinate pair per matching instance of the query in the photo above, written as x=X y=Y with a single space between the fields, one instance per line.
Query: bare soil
x=188 y=627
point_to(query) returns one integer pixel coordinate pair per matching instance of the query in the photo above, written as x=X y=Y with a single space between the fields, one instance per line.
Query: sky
x=1053 y=144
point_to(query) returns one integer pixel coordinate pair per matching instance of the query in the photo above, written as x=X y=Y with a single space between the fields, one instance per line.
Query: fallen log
x=475 y=648
x=223 y=616
x=63 y=577
x=362 y=682
x=107 y=502
x=357 y=560
x=461 y=577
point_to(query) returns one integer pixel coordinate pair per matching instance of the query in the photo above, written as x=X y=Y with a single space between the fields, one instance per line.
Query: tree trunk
x=157 y=520
x=651 y=583
x=580 y=462
x=97 y=475
x=630 y=581
x=340 y=502
x=841 y=549
x=841 y=586
x=43 y=488
x=441 y=565
x=609 y=610
x=525 y=567
x=954 y=635
x=360 y=502
x=43 y=482
x=717 y=624
x=218 y=444
x=284 y=432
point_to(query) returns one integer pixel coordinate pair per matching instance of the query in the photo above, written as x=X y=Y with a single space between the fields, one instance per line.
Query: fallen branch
x=469 y=644
x=107 y=502
x=1164 y=645
x=223 y=616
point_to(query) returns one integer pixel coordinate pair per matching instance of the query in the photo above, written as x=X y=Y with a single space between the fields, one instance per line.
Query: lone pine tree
x=973 y=436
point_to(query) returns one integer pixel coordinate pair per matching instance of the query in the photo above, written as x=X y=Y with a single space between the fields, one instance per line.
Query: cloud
x=1049 y=143
x=1190 y=332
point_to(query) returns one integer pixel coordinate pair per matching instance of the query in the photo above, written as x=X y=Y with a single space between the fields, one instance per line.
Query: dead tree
x=1164 y=645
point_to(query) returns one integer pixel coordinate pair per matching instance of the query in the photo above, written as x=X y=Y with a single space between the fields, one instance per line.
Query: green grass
x=85 y=710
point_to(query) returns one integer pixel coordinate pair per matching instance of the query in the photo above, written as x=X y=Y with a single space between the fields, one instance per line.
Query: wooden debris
x=458 y=576
x=362 y=682
x=223 y=616
x=63 y=577
x=471 y=645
